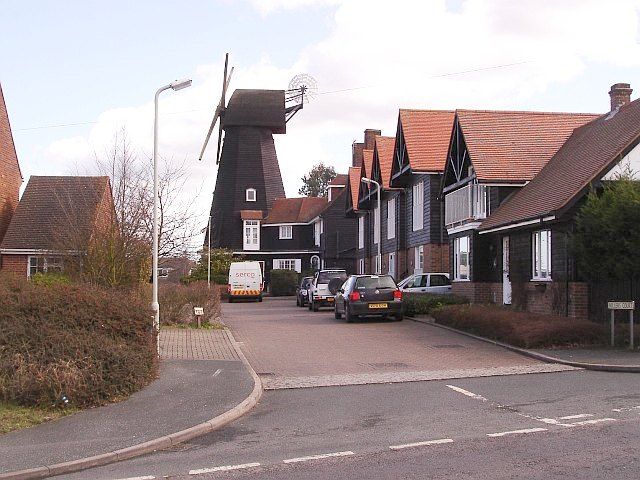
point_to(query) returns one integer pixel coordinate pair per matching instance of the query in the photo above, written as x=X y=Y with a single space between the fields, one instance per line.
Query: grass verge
x=15 y=417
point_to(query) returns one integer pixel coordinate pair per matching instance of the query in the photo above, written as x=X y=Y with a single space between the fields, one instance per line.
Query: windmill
x=248 y=179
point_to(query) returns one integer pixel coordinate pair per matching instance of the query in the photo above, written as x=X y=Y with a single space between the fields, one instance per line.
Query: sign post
x=630 y=306
x=198 y=312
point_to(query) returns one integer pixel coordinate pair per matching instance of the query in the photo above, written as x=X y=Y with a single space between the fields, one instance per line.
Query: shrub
x=177 y=302
x=418 y=304
x=50 y=279
x=89 y=344
x=283 y=282
x=522 y=329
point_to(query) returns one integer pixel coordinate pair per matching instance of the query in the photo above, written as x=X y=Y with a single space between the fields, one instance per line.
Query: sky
x=75 y=72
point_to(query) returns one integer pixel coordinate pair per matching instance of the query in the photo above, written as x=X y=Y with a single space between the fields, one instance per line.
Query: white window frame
x=361 y=267
x=251 y=240
x=391 y=268
x=541 y=258
x=391 y=218
x=459 y=255
x=418 y=206
x=317 y=258
x=376 y=226
x=57 y=263
x=287 y=264
x=285 y=232
x=418 y=259
x=361 y=232
x=378 y=264
x=250 y=195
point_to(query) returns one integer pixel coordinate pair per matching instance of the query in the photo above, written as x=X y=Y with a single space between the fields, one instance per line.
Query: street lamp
x=155 y=306
x=369 y=181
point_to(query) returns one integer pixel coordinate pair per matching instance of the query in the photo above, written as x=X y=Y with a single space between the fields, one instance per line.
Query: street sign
x=198 y=311
x=621 y=305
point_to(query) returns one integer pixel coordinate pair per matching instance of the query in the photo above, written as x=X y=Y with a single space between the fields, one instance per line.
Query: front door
x=392 y=265
x=506 y=281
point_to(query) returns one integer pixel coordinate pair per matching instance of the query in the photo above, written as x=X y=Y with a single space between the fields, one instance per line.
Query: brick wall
x=479 y=292
x=10 y=177
x=16 y=264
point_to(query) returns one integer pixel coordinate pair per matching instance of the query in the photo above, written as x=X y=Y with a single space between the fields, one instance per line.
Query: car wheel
x=337 y=314
x=230 y=300
x=260 y=298
x=309 y=305
x=297 y=301
x=314 y=306
x=399 y=317
x=348 y=316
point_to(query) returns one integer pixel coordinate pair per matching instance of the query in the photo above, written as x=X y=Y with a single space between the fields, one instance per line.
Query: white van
x=245 y=281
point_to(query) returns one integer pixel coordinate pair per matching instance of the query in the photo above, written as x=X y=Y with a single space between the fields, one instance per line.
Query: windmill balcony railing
x=465 y=204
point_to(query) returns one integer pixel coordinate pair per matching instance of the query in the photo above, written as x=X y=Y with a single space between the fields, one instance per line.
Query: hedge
x=177 y=302
x=521 y=329
x=283 y=282
x=424 y=304
x=88 y=344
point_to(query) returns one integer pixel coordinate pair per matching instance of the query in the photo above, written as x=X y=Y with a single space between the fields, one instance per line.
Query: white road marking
x=316 y=457
x=575 y=417
x=517 y=432
x=591 y=422
x=420 y=444
x=625 y=409
x=467 y=393
x=224 y=468
x=217 y=372
x=147 y=477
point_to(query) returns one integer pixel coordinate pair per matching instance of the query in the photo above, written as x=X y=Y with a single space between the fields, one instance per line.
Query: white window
x=418 y=206
x=45 y=265
x=391 y=218
x=418 y=259
x=250 y=195
x=251 y=237
x=392 y=265
x=361 y=268
x=378 y=266
x=287 y=264
x=376 y=225
x=541 y=253
x=286 y=232
x=361 y=233
x=480 y=194
x=318 y=228
x=461 y=258
x=315 y=262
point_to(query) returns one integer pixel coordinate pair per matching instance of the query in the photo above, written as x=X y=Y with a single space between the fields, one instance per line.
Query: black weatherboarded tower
x=249 y=177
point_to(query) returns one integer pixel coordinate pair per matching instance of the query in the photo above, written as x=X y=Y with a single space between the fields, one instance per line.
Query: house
x=54 y=221
x=173 y=269
x=10 y=175
x=492 y=155
x=527 y=237
x=285 y=238
x=417 y=164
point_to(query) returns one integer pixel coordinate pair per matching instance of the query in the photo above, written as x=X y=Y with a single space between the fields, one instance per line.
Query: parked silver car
x=437 y=283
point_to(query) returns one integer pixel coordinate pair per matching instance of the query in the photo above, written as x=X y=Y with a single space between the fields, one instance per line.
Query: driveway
x=291 y=347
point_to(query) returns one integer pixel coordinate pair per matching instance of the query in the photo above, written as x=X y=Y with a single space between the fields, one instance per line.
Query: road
x=574 y=424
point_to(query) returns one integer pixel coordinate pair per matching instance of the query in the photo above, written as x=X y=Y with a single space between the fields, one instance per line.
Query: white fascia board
x=283 y=224
x=519 y=224
x=463 y=228
x=31 y=251
x=496 y=184
x=275 y=252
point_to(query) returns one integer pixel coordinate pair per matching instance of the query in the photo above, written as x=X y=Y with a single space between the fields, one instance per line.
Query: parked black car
x=369 y=295
x=302 y=291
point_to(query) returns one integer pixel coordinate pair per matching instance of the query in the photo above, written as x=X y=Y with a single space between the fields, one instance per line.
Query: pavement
x=201 y=376
x=597 y=356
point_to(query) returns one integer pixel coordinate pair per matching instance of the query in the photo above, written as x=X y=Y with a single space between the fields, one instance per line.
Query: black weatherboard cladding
x=339 y=242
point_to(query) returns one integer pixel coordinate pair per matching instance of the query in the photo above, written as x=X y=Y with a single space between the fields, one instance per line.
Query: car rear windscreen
x=375 y=282
x=326 y=277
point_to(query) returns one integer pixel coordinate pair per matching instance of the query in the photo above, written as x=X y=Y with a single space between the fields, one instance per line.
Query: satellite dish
x=302 y=88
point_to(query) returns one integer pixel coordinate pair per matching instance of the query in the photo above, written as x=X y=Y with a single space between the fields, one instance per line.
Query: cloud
x=380 y=56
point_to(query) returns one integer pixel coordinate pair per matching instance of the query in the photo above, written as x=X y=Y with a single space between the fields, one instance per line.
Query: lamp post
x=369 y=181
x=155 y=306
x=209 y=254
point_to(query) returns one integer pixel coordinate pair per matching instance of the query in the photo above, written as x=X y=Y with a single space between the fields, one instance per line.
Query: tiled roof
x=514 y=146
x=355 y=174
x=586 y=156
x=426 y=136
x=339 y=180
x=8 y=157
x=295 y=210
x=384 y=147
x=52 y=210
x=251 y=214
x=367 y=162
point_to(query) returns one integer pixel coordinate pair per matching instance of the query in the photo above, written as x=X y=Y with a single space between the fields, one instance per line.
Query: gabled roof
x=8 y=156
x=340 y=180
x=56 y=210
x=295 y=210
x=384 y=150
x=367 y=162
x=355 y=174
x=514 y=146
x=585 y=157
x=426 y=135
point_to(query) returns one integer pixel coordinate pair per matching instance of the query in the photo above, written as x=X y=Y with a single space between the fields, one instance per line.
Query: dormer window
x=251 y=194
x=286 y=232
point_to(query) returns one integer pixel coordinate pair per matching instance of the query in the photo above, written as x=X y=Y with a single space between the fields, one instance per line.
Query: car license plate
x=378 y=305
x=330 y=299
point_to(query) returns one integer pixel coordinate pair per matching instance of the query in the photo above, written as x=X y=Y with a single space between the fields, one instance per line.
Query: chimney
x=370 y=138
x=356 y=154
x=620 y=94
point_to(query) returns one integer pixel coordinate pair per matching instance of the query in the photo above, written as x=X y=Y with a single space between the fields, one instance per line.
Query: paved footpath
x=201 y=377
x=291 y=347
